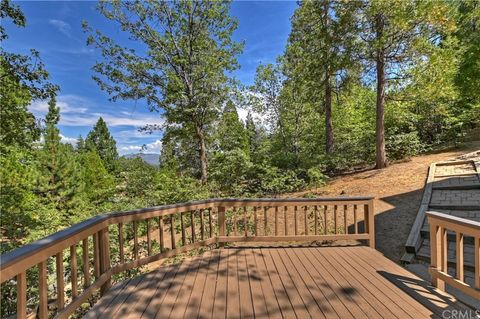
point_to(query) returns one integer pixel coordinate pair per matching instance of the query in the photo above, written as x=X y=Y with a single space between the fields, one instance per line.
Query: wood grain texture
x=302 y=282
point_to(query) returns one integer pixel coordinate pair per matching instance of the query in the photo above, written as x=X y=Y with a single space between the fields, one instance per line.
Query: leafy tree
x=23 y=80
x=100 y=140
x=136 y=179
x=468 y=77
x=319 y=55
x=266 y=94
x=183 y=72
x=394 y=33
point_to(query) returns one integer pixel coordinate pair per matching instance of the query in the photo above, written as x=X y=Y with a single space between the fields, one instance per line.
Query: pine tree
x=80 y=146
x=394 y=33
x=231 y=133
x=60 y=183
x=100 y=140
x=319 y=56
x=95 y=175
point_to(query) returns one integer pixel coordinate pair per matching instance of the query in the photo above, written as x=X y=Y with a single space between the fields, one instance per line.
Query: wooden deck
x=301 y=282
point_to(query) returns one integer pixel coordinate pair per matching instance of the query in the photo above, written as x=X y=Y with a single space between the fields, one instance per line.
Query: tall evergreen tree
x=394 y=33
x=319 y=55
x=100 y=140
x=231 y=133
x=185 y=71
x=60 y=182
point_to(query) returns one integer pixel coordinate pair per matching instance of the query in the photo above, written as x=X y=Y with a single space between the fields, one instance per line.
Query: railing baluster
x=325 y=222
x=73 y=270
x=202 y=224
x=255 y=220
x=265 y=221
x=172 y=231
x=182 y=225
x=42 y=290
x=345 y=224
x=335 y=218
x=149 y=238
x=22 y=295
x=86 y=263
x=295 y=220
x=306 y=219
x=221 y=223
x=245 y=225
x=104 y=250
x=96 y=257
x=234 y=221
x=477 y=262
x=120 y=243
x=355 y=222
x=135 y=239
x=459 y=253
x=444 y=244
x=315 y=212
x=285 y=211
x=276 y=220
x=192 y=222
x=210 y=222
x=160 y=234
x=436 y=254
x=371 y=223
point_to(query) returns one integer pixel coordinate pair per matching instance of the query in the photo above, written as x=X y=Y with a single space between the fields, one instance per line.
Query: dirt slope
x=397 y=189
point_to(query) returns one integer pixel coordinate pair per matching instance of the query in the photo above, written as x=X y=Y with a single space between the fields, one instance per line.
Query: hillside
x=149 y=158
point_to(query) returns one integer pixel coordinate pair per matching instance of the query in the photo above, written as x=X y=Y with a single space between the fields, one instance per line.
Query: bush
x=403 y=145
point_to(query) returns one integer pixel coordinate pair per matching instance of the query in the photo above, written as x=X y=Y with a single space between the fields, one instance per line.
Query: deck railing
x=440 y=224
x=97 y=249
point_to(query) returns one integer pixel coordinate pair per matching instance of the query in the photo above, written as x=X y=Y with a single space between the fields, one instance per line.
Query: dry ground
x=397 y=189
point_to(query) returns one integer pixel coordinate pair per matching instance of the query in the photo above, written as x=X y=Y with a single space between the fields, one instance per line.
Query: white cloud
x=78 y=111
x=61 y=26
x=68 y=140
x=154 y=147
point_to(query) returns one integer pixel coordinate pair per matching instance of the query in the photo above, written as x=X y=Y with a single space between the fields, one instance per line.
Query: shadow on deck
x=293 y=282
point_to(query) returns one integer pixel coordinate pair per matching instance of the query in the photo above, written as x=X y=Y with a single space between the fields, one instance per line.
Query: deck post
x=221 y=225
x=104 y=252
x=370 y=223
x=436 y=253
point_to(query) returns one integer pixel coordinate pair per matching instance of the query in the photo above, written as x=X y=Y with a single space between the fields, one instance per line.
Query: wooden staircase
x=452 y=188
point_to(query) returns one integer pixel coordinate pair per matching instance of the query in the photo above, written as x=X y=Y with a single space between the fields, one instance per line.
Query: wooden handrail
x=440 y=224
x=199 y=223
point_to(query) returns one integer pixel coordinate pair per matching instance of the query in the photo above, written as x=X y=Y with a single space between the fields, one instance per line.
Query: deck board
x=291 y=282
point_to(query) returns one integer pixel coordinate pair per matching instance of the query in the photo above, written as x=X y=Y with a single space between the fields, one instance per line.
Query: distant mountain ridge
x=149 y=158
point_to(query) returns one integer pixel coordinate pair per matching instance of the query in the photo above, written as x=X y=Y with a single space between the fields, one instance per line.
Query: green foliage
x=99 y=184
x=185 y=71
x=100 y=140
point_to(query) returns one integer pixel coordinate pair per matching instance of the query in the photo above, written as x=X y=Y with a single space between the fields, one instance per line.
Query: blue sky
x=54 y=29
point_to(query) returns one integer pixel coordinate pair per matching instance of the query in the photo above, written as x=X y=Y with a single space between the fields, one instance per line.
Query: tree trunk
x=328 y=116
x=203 y=155
x=329 y=142
x=381 y=158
